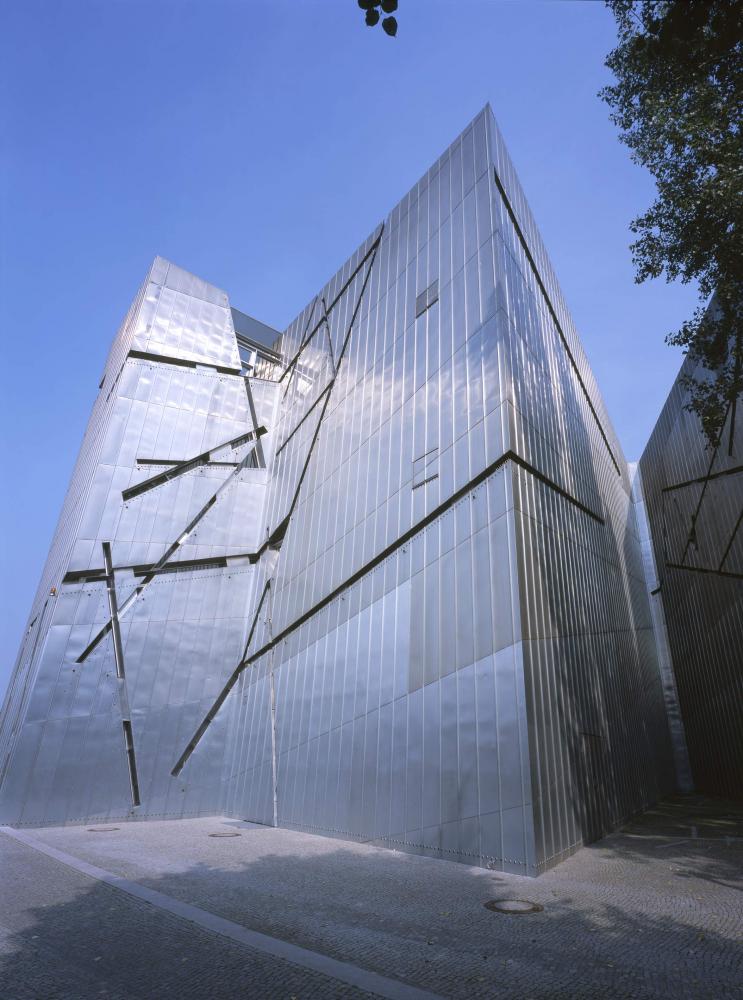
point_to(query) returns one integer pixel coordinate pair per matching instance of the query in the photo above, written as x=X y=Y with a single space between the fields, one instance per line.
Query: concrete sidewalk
x=646 y=913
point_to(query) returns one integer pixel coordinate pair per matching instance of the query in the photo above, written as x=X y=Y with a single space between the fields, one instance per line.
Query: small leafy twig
x=389 y=24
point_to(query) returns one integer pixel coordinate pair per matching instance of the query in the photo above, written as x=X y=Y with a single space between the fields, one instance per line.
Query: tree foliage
x=372 y=8
x=678 y=102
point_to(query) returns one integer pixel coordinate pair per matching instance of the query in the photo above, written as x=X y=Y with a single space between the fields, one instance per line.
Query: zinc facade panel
x=448 y=623
x=184 y=630
x=696 y=535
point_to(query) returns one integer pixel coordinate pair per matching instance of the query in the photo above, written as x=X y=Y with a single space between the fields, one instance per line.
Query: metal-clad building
x=172 y=392
x=385 y=582
x=694 y=499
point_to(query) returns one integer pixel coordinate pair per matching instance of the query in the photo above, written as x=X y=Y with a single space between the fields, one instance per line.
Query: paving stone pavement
x=640 y=915
x=65 y=937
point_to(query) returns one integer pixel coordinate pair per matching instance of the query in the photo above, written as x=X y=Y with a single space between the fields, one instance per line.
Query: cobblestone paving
x=639 y=915
x=65 y=937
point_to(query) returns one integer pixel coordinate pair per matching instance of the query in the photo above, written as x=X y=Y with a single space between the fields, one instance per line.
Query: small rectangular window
x=427 y=298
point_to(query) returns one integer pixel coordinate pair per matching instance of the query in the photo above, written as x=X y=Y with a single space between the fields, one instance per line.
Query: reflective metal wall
x=458 y=656
x=694 y=500
x=684 y=780
x=441 y=641
x=172 y=390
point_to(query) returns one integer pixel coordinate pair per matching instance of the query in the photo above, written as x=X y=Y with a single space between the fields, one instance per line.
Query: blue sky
x=256 y=143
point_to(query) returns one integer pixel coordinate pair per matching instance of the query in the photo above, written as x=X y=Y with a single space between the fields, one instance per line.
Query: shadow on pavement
x=637 y=915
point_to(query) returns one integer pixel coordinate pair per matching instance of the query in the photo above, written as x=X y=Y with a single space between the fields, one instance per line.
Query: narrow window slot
x=164 y=359
x=424 y=468
x=423 y=482
x=131 y=762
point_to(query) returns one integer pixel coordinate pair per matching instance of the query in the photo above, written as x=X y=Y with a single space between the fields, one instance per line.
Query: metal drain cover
x=226 y=833
x=102 y=829
x=516 y=906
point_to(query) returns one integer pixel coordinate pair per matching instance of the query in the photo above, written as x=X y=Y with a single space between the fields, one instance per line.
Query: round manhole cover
x=102 y=829
x=513 y=906
x=225 y=833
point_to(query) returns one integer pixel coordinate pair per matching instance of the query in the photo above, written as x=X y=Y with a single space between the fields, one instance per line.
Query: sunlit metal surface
x=61 y=745
x=439 y=639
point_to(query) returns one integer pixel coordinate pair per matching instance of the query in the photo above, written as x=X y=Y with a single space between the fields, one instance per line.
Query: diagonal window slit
x=164 y=359
x=277 y=536
x=222 y=697
x=188 y=530
x=179 y=468
x=181 y=566
x=131 y=761
x=261 y=459
x=692 y=536
x=371 y=252
x=176 y=461
x=710 y=572
x=301 y=345
x=247 y=661
x=329 y=334
x=729 y=545
x=553 y=314
x=299 y=424
x=703 y=479
x=121 y=674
